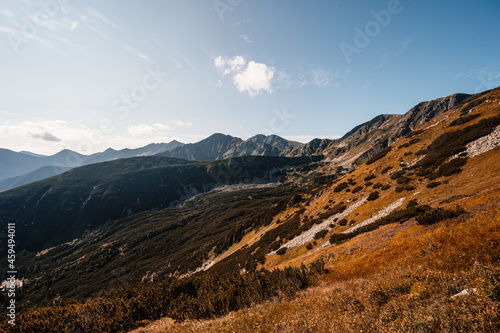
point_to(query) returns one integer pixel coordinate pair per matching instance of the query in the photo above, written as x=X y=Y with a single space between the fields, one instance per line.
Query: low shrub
x=320 y=234
x=357 y=189
x=281 y=251
x=421 y=152
x=386 y=169
x=412 y=203
x=403 y=180
x=398 y=174
x=343 y=222
x=274 y=246
x=377 y=185
x=385 y=187
x=451 y=167
x=370 y=177
x=454 y=142
x=373 y=196
x=337 y=209
x=194 y=297
x=464 y=119
x=433 y=184
x=436 y=215
x=341 y=187
x=414 y=140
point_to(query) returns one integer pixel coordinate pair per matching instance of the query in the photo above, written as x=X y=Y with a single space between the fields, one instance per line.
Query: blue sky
x=88 y=75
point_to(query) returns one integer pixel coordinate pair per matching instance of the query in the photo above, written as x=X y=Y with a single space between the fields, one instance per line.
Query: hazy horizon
x=89 y=76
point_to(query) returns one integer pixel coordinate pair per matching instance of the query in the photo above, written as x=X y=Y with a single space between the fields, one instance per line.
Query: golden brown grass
x=405 y=283
x=400 y=277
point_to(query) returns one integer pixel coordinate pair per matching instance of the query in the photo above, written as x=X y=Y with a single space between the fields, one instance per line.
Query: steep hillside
x=369 y=138
x=409 y=239
x=393 y=238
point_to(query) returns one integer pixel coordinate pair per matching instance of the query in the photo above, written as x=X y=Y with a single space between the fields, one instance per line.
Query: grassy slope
x=400 y=276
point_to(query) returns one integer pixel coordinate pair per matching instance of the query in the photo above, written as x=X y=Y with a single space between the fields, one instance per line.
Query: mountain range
x=17 y=169
x=382 y=228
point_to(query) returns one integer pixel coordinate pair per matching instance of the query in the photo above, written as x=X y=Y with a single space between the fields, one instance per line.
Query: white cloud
x=252 y=77
x=73 y=25
x=227 y=66
x=245 y=38
x=50 y=137
x=180 y=123
x=137 y=53
x=148 y=130
x=101 y=17
x=47 y=136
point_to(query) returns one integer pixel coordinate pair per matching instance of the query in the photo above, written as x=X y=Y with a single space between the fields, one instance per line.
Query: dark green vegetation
x=436 y=215
x=133 y=234
x=90 y=196
x=464 y=119
x=195 y=297
x=170 y=241
x=424 y=214
x=341 y=186
x=451 y=143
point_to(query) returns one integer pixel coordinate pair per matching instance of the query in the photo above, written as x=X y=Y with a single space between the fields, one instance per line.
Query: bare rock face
x=369 y=138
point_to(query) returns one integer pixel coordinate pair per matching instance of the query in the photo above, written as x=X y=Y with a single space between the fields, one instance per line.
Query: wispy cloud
x=321 y=77
x=318 y=77
x=149 y=130
x=17 y=37
x=245 y=38
x=101 y=17
x=137 y=53
x=6 y=12
x=181 y=123
x=386 y=57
